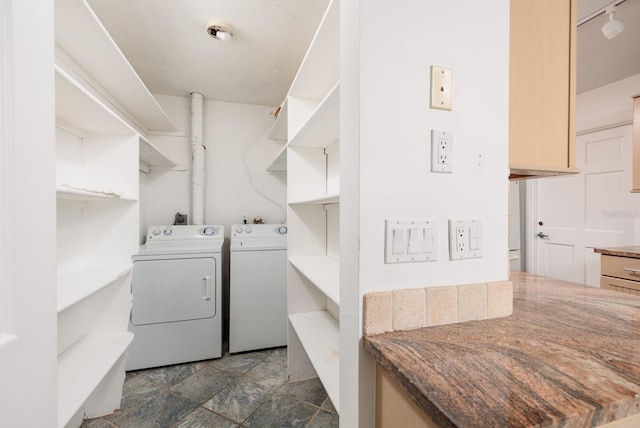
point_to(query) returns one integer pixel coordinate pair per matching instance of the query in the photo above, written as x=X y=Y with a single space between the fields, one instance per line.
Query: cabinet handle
x=206 y=288
x=633 y=271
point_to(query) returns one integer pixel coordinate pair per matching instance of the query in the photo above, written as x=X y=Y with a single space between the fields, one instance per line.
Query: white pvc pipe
x=198 y=159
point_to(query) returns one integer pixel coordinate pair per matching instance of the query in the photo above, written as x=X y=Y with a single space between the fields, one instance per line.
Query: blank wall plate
x=441 y=151
x=441 y=87
x=411 y=240
x=465 y=239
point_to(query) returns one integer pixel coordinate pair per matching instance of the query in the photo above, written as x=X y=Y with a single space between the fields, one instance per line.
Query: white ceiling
x=600 y=60
x=167 y=44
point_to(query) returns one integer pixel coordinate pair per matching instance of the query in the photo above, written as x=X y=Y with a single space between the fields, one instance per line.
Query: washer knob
x=209 y=231
x=168 y=232
x=282 y=230
x=238 y=230
x=248 y=229
x=156 y=231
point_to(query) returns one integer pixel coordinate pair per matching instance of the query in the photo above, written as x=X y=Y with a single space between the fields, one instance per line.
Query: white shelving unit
x=103 y=112
x=312 y=161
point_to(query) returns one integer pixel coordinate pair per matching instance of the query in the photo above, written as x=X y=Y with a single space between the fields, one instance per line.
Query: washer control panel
x=258 y=230
x=184 y=232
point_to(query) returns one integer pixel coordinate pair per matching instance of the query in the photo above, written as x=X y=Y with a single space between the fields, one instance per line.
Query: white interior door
x=575 y=214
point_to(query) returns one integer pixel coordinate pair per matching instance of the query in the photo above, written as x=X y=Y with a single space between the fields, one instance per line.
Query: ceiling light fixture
x=613 y=27
x=220 y=30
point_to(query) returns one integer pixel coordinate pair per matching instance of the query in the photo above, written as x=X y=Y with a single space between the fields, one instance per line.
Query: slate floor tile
x=162 y=411
x=238 y=363
x=267 y=375
x=201 y=418
x=136 y=391
x=324 y=419
x=203 y=384
x=310 y=391
x=282 y=411
x=96 y=423
x=328 y=406
x=169 y=375
x=239 y=400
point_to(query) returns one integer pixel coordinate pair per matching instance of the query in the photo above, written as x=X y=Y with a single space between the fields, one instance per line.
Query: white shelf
x=83 y=366
x=279 y=130
x=279 y=164
x=79 y=108
x=323 y=126
x=151 y=155
x=79 y=284
x=323 y=272
x=333 y=198
x=319 y=334
x=320 y=68
x=79 y=32
x=89 y=195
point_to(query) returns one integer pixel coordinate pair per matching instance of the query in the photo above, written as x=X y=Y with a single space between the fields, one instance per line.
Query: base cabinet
x=620 y=274
x=394 y=408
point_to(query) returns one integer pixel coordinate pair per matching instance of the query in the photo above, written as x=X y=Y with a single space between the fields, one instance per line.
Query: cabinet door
x=542 y=85
x=636 y=144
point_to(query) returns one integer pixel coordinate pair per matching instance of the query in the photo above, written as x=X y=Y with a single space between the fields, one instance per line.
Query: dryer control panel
x=185 y=232
x=258 y=230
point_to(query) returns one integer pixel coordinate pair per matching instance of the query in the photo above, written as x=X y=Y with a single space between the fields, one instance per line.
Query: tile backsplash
x=425 y=307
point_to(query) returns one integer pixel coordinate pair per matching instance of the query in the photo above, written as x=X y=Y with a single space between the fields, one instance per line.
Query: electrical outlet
x=465 y=239
x=441 y=151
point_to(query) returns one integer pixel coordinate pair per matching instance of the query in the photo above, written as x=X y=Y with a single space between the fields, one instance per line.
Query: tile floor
x=236 y=391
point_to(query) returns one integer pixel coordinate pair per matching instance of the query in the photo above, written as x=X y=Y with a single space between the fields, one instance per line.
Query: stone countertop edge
x=631 y=251
x=568 y=356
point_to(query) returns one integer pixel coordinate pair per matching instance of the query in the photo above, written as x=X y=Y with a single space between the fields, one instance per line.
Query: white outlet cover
x=420 y=251
x=441 y=151
x=472 y=244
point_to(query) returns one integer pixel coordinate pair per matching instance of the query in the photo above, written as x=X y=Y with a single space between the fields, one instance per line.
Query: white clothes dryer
x=176 y=286
x=258 y=287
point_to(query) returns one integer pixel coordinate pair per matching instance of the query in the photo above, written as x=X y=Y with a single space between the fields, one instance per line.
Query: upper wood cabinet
x=636 y=144
x=542 y=88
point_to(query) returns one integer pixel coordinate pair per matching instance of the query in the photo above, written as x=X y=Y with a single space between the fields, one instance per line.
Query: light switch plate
x=465 y=239
x=441 y=87
x=411 y=240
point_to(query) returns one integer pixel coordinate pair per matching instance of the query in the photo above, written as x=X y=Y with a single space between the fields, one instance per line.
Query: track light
x=220 y=31
x=613 y=27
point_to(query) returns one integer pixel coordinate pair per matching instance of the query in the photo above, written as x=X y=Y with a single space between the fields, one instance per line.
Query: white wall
x=27 y=216
x=607 y=106
x=385 y=96
x=233 y=133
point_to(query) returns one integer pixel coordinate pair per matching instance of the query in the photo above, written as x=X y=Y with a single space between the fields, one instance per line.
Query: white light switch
x=411 y=240
x=398 y=241
x=465 y=239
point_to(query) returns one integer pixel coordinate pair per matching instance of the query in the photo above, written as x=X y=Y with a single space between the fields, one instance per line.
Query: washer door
x=173 y=290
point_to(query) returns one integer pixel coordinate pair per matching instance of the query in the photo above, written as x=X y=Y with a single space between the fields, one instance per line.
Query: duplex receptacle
x=441 y=151
x=465 y=238
x=462 y=238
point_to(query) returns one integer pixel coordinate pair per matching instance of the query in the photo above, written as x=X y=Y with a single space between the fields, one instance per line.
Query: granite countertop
x=633 y=251
x=568 y=356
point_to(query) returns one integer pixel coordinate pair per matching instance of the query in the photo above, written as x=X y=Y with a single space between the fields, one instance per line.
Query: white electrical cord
x=246 y=166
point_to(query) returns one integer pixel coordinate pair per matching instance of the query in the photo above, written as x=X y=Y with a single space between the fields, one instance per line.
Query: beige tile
x=442 y=305
x=377 y=309
x=409 y=309
x=472 y=302
x=499 y=299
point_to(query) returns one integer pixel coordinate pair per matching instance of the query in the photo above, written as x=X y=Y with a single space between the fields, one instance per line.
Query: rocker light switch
x=410 y=240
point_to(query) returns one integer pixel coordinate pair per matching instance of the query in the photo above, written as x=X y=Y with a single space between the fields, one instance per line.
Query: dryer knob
x=238 y=230
x=168 y=232
x=209 y=231
x=156 y=231
x=248 y=229
x=282 y=230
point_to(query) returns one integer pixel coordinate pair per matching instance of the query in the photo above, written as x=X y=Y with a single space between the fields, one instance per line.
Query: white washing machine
x=176 y=315
x=258 y=287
